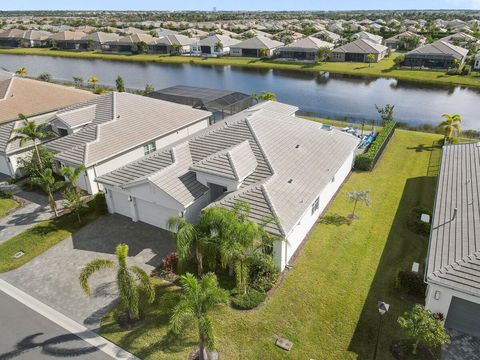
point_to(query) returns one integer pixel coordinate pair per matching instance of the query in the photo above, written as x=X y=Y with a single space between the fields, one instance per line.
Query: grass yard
x=7 y=205
x=384 y=68
x=327 y=303
x=44 y=235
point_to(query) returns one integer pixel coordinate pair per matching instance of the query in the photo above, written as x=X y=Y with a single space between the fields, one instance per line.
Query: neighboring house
x=214 y=45
x=118 y=128
x=254 y=47
x=476 y=64
x=304 y=49
x=453 y=261
x=405 y=41
x=175 y=43
x=161 y=32
x=10 y=38
x=358 y=51
x=286 y=168
x=68 y=40
x=221 y=103
x=459 y=38
x=377 y=39
x=129 y=44
x=437 y=55
x=97 y=41
x=328 y=36
x=34 y=38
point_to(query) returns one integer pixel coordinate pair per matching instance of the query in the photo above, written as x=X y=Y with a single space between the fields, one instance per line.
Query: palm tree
x=93 y=80
x=450 y=125
x=219 y=46
x=265 y=95
x=198 y=297
x=21 y=71
x=132 y=281
x=263 y=52
x=370 y=59
x=72 y=175
x=49 y=184
x=30 y=131
x=75 y=203
x=358 y=195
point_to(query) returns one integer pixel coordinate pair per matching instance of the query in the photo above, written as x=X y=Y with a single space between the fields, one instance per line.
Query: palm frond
x=145 y=281
x=122 y=253
x=206 y=329
x=182 y=312
x=91 y=268
x=128 y=290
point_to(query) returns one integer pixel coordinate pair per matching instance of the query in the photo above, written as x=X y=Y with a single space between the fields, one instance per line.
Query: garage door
x=120 y=202
x=464 y=316
x=4 y=168
x=153 y=214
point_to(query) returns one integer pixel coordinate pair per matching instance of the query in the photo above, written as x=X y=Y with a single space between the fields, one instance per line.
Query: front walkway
x=462 y=347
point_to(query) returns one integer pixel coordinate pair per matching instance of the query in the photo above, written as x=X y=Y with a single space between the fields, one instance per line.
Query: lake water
x=327 y=95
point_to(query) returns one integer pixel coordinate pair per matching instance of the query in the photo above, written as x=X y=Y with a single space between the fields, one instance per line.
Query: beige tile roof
x=33 y=97
x=258 y=42
x=68 y=35
x=440 y=48
x=361 y=46
x=308 y=43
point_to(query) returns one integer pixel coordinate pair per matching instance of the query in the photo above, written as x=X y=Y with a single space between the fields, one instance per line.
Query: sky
x=236 y=4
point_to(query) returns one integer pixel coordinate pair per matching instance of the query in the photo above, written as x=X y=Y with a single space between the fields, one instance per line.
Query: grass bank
x=384 y=68
x=44 y=235
x=327 y=303
x=7 y=205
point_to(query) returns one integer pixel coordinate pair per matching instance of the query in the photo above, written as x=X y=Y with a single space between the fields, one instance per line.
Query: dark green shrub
x=6 y=194
x=98 y=204
x=250 y=300
x=467 y=70
x=454 y=72
x=415 y=224
x=45 y=77
x=263 y=274
x=366 y=161
x=411 y=283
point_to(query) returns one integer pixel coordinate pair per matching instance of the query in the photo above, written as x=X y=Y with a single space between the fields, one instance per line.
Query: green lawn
x=382 y=69
x=44 y=235
x=7 y=205
x=327 y=303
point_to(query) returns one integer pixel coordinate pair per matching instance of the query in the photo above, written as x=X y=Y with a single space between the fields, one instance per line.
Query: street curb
x=68 y=324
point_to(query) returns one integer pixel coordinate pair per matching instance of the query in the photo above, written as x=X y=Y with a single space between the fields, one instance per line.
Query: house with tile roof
x=405 y=41
x=305 y=49
x=453 y=262
x=358 y=51
x=173 y=43
x=255 y=46
x=377 y=39
x=437 y=55
x=286 y=168
x=67 y=40
x=129 y=43
x=114 y=129
x=214 y=45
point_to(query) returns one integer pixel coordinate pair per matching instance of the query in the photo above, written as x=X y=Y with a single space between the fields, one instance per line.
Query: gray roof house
x=459 y=38
x=172 y=43
x=328 y=36
x=255 y=46
x=214 y=45
x=304 y=49
x=405 y=41
x=377 y=39
x=285 y=168
x=358 y=51
x=111 y=130
x=453 y=263
x=437 y=55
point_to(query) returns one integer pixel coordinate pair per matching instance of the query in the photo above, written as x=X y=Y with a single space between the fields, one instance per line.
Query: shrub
x=263 y=275
x=438 y=316
x=399 y=60
x=366 y=161
x=250 y=300
x=168 y=265
x=45 y=77
x=99 y=203
x=467 y=70
x=454 y=71
x=6 y=194
x=411 y=283
x=99 y=90
x=415 y=224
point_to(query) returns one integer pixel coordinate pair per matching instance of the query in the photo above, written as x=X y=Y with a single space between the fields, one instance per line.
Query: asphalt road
x=27 y=335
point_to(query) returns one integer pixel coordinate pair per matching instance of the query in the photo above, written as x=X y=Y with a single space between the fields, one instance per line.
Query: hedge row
x=367 y=160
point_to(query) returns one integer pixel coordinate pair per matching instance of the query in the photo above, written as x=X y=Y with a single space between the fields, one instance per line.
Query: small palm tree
x=72 y=175
x=219 y=46
x=132 y=281
x=450 y=125
x=30 y=131
x=263 y=52
x=21 y=71
x=93 y=80
x=49 y=184
x=370 y=59
x=358 y=195
x=198 y=298
x=75 y=203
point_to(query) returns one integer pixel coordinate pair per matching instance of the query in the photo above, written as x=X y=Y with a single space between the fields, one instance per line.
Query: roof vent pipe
x=454 y=214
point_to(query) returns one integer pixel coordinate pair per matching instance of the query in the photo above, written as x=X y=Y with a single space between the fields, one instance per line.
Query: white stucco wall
x=444 y=298
x=283 y=251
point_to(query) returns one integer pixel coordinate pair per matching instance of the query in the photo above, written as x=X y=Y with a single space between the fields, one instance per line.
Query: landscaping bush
x=6 y=194
x=415 y=224
x=263 y=275
x=467 y=70
x=411 y=283
x=45 y=77
x=99 y=91
x=98 y=204
x=168 y=266
x=250 y=300
x=454 y=72
x=366 y=161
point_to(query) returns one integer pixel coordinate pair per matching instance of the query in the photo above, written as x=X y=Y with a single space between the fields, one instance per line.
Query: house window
x=149 y=148
x=315 y=205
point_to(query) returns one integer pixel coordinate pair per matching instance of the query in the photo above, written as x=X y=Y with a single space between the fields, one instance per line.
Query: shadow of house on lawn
x=401 y=249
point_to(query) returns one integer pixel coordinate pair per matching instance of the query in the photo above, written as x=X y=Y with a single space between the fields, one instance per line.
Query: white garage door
x=120 y=203
x=153 y=214
x=464 y=316
x=4 y=168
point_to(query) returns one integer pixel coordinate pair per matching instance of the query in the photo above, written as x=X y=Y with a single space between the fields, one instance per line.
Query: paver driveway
x=53 y=276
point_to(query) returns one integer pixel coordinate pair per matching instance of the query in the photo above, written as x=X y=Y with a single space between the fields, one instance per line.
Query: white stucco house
x=453 y=263
x=214 y=45
x=285 y=168
x=112 y=130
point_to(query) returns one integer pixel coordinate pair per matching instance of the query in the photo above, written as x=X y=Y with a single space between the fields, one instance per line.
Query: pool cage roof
x=211 y=99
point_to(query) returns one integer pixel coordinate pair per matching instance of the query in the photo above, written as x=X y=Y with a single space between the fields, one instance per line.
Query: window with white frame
x=149 y=148
x=315 y=205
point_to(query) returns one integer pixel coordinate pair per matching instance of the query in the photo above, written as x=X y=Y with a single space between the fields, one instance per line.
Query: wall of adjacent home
x=283 y=251
x=444 y=298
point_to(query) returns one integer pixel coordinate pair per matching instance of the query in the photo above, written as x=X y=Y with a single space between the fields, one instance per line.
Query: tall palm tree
x=30 y=131
x=72 y=175
x=355 y=196
x=132 y=281
x=21 y=71
x=49 y=184
x=198 y=298
x=450 y=125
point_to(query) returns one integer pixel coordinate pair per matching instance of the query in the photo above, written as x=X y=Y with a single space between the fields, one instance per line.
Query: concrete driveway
x=53 y=276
